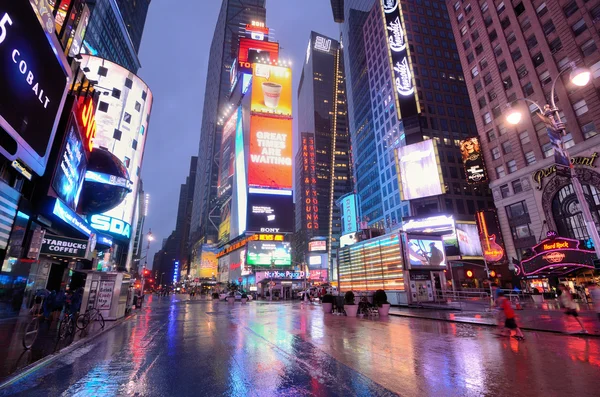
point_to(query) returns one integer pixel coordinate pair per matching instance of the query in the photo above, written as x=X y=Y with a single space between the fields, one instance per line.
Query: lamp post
x=149 y=238
x=550 y=115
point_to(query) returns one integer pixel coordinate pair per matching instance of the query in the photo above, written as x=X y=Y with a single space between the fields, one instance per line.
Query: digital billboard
x=268 y=213
x=227 y=165
x=271 y=90
x=349 y=214
x=71 y=167
x=419 y=170
x=405 y=93
x=490 y=236
x=264 y=253
x=319 y=245
x=424 y=251
x=208 y=261
x=468 y=239
x=34 y=77
x=473 y=162
x=270 y=163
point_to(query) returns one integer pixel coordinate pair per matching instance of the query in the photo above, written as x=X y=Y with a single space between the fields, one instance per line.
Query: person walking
x=595 y=295
x=510 y=322
x=566 y=300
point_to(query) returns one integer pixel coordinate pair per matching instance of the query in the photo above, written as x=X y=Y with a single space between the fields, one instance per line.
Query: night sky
x=174 y=55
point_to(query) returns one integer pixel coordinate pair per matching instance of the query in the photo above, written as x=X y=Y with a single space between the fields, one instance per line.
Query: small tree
x=380 y=298
x=349 y=298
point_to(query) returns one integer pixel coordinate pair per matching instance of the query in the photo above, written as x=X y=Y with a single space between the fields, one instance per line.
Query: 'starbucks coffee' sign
x=63 y=246
x=540 y=175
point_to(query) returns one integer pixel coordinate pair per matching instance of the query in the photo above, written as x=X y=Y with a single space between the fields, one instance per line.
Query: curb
x=29 y=369
x=447 y=320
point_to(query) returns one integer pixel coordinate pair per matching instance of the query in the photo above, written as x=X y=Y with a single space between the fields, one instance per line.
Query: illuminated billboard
x=34 y=78
x=270 y=163
x=309 y=197
x=122 y=119
x=490 y=236
x=425 y=251
x=227 y=165
x=419 y=170
x=468 y=239
x=473 y=162
x=71 y=166
x=405 y=93
x=319 y=245
x=264 y=253
x=268 y=213
x=349 y=214
x=208 y=261
x=271 y=90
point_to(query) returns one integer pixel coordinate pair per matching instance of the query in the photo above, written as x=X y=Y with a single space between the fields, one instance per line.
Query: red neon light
x=87 y=119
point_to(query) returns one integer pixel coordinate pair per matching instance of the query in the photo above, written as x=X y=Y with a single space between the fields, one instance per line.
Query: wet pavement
x=177 y=347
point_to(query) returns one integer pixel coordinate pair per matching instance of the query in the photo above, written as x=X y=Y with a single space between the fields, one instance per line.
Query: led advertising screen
x=270 y=163
x=425 y=252
x=71 y=167
x=34 y=76
x=473 y=162
x=419 y=170
x=208 y=261
x=468 y=239
x=400 y=62
x=349 y=215
x=268 y=213
x=122 y=120
x=263 y=253
x=227 y=165
x=271 y=90
x=319 y=245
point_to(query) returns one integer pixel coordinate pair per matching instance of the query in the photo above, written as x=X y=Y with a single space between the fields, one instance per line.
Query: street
x=178 y=347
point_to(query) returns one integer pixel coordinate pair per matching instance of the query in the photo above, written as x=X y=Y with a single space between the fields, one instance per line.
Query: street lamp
x=550 y=115
x=149 y=238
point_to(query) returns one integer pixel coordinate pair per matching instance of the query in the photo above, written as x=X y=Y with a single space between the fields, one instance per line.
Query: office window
x=487 y=79
x=470 y=22
x=548 y=150
x=497 y=50
x=588 y=48
x=501 y=129
x=500 y=173
x=492 y=95
x=504 y=191
x=516 y=210
x=484 y=7
x=496 y=111
x=466 y=44
x=516 y=186
x=487 y=118
x=512 y=166
x=463 y=30
x=522 y=71
x=555 y=45
x=548 y=27
x=460 y=17
x=568 y=141
x=530 y=157
x=525 y=24
x=478 y=86
x=456 y=6
x=524 y=137
x=475 y=35
x=541 y=10
x=482 y=102
x=531 y=41
x=519 y=9
x=580 y=107
x=487 y=21
x=507 y=147
x=478 y=49
x=516 y=54
x=505 y=22
x=507 y=82
x=490 y=135
x=502 y=66
x=570 y=8
x=496 y=153
x=545 y=78
x=475 y=71
x=579 y=27
x=500 y=8
x=537 y=59
x=563 y=64
x=528 y=89
x=589 y=130
x=493 y=35
x=483 y=64
x=470 y=58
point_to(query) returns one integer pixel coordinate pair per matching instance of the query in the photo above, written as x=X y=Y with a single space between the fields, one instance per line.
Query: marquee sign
x=63 y=246
x=405 y=94
x=544 y=173
x=557 y=255
x=309 y=185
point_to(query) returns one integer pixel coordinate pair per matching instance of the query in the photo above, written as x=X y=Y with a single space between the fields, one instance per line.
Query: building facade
x=134 y=14
x=325 y=158
x=233 y=16
x=511 y=51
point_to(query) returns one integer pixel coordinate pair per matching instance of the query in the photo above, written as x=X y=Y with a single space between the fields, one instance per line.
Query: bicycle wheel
x=31 y=333
x=82 y=321
x=63 y=328
x=100 y=320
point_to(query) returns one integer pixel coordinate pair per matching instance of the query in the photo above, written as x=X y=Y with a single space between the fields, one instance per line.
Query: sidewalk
x=15 y=357
x=535 y=319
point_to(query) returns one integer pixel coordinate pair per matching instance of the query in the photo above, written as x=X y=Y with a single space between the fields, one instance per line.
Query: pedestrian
x=595 y=295
x=566 y=300
x=49 y=305
x=510 y=322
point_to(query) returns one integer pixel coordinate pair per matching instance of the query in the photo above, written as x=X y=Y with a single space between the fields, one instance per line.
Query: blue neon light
x=70 y=217
x=69 y=175
x=240 y=173
x=22 y=215
x=246 y=79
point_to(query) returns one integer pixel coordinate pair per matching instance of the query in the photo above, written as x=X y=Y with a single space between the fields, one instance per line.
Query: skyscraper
x=323 y=163
x=115 y=31
x=517 y=50
x=206 y=213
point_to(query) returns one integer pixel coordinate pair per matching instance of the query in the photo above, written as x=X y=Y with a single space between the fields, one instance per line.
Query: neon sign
x=311 y=202
x=86 y=116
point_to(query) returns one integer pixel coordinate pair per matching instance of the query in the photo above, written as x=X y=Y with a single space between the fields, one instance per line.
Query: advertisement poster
x=424 y=252
x=208 y=261
x=225 y=225
x=419 y=170
x=490 y=236
x=262 y=253
x=70 y=170
x=271 y=90
x=320 y=245
x=468 y=239
x=105 y=295
x=473 y=162
x=270 y=162
x=268 y=213
x=349 y=218
x=226 y=166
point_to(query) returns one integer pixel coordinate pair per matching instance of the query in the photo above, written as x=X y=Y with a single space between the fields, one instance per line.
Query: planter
x=351 y=310
x=384 y=309
x=244 y=300
x=231 y=299
x=538 y=298
x=327 y=307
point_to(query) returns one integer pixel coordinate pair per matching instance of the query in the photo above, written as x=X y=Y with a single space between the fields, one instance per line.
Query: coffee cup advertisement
x=272 y=90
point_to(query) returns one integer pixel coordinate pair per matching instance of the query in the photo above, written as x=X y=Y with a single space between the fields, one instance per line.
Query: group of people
x=52 y=303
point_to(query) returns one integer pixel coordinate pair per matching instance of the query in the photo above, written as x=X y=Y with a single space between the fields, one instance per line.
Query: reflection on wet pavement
x=176 y=347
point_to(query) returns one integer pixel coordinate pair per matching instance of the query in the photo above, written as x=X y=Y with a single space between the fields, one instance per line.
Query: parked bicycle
x=89 y=317
x=67 y=325
x=31 y=331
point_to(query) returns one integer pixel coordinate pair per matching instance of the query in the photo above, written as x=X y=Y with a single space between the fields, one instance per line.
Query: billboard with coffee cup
x=271 y=90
